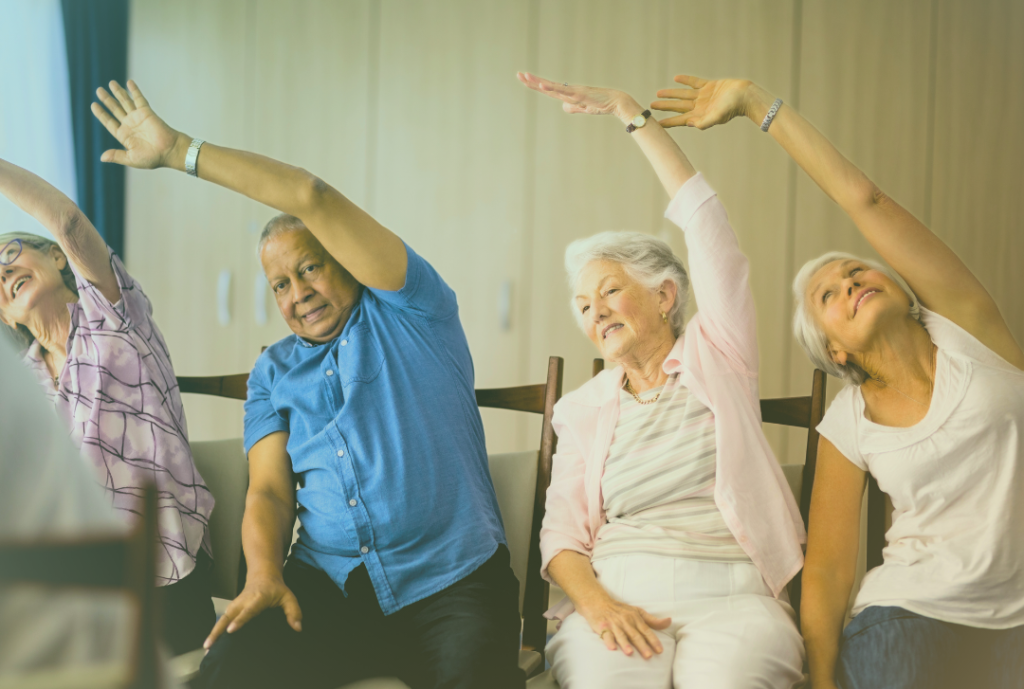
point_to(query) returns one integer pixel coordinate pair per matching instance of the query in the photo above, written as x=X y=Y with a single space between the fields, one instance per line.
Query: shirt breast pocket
x=360 y=357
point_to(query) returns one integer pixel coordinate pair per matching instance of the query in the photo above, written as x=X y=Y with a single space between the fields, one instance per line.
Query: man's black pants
x=465 y=637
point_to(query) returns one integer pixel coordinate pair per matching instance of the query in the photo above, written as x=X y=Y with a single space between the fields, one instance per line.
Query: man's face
x=314 y=293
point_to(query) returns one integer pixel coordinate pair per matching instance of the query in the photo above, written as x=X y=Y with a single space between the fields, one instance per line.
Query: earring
x=664 y=317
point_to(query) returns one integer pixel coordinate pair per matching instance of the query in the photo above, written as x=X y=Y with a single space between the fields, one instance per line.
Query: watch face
x=639 y=121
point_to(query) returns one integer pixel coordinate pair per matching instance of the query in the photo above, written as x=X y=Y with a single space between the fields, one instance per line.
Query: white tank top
x=955 y=551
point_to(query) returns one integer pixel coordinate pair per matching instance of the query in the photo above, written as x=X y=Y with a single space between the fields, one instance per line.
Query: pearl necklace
x=629 y=389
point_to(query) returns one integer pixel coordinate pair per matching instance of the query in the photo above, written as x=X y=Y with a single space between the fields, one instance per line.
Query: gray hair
x=647 y=259
x=20 y=335
x=810 y=334
x=277 y=226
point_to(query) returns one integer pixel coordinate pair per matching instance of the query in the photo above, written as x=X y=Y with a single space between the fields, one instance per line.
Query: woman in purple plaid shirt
x=88 y=334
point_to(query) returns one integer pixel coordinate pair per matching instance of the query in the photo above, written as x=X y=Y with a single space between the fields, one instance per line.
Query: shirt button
x=341 y=453
x=364 y=550
x=344 y=342
x=352 y=503
x=330 y=372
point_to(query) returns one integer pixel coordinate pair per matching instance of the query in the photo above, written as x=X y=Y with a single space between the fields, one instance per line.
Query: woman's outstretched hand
x=590 y=100
x=148 y=142
x=705 y=103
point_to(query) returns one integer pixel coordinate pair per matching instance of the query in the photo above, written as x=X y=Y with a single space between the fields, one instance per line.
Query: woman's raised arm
x=941 y=280
x=66 y=222
x=669 y=162
x=374 y=255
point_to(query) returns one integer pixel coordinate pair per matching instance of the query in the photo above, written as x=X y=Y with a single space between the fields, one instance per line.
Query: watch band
x=771 y=114
x=192 y=155
x=638 y=121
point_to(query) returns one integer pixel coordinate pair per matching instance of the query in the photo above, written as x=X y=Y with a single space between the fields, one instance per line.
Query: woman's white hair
x=808 y=331
x=20 y=335
x=646 y=259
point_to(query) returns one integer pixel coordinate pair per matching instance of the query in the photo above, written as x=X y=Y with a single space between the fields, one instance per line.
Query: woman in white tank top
x=934 y=410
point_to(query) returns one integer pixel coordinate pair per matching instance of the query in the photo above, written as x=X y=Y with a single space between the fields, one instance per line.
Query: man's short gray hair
x=20 y=335
x=278 y=225
x=808 y=331
x=647 y=259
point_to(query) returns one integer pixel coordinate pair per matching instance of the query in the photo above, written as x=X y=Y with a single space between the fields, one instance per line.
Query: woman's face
x=620 y=316
x=852 y=303
x=30 y=283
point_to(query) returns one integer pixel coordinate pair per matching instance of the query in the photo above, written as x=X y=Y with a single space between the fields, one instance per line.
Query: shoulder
x=276 y=357
x=952 y=338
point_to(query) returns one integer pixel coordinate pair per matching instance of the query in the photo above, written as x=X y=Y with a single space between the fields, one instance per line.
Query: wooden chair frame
x=537 y=399
x=800 y=412
x=123 y=562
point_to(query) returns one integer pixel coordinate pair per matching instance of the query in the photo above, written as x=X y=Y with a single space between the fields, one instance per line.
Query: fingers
x=112 y=105
x=678 y=121
x=122 y=97
x=673 y=105
x=655 y=622
x=679 y=94
x=292 y=611
x=105 y=118
x=608 y=637
x=136 y=93
x=218 y=629
x=114 y=155
x=547 y=87
x=622 y=639
x=639 y=639
x=695 y=82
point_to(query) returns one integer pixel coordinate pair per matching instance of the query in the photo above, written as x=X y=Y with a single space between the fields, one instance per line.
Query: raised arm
x=266 y=534
x=67 y=223
x=941 y=280
x=720 y=270
x=669 y=162
x=832 y=542
x=373 y=254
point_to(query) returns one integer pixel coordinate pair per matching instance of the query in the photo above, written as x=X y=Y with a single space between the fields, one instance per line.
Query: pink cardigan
x=718 y=361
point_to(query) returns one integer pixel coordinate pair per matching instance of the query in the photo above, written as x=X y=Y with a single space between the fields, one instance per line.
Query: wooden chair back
x=801 y=412
x=536 y=399
x=125 y=562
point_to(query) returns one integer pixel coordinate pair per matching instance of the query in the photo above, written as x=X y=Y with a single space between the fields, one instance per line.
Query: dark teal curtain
x=96 y=32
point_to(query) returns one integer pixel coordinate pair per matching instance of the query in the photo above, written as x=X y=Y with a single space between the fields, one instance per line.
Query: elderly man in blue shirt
x=401 y=567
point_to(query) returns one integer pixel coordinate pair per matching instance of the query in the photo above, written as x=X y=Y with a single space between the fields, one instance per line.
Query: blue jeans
x=893 y=648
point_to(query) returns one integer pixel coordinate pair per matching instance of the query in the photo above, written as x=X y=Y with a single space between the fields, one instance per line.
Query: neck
x=902 y=357
x=50 y=326
x=645 y=370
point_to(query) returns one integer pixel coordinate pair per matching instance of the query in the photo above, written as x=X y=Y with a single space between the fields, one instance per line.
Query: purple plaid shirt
x=118 y=397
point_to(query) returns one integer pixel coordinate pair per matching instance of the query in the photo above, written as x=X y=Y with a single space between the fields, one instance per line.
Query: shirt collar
x=605 y=385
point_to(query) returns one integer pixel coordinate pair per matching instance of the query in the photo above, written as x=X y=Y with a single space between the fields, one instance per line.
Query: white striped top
x=659 y=481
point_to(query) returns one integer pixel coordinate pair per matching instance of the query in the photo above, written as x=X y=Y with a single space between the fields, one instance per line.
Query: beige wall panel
x=188 y=57
x=310 y=87
x=450 y=169
x=589 y=175
x=752 y=40
x=864 y=83
x=978 y=207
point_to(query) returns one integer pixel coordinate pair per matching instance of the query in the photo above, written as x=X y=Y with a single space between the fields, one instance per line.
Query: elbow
x=867 y=196
x=69 y=223
x=312 y=193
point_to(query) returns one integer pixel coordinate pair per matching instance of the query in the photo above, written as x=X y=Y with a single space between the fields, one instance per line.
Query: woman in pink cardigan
x=669 y=523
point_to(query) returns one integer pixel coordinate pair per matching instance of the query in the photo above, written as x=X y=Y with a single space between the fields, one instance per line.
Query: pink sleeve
x=566 y=523
x=719 y=272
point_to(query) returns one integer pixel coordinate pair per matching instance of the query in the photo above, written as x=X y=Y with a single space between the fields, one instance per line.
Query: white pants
x=727 y=631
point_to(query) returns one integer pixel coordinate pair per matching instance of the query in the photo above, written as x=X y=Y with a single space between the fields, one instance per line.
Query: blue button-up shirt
x=386 y=441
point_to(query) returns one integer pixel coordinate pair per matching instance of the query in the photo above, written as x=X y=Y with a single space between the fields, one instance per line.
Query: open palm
x=146 y=138
x=591 y=100
x=704 y=104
